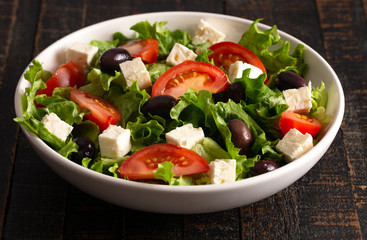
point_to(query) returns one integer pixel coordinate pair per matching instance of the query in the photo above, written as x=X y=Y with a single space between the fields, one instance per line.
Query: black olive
x=289 y=80
x=241 y=135
x=235 y=92
x=110 y=60
x=264 y=166
x=86 y=149
x=159 y=105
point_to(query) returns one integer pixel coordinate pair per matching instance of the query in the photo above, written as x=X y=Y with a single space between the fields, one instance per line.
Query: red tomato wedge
x=146 y=49
x=102 y=112
x=68 y=75
x=301 y=122
x=226 y=53
x=141 y=164
x=190 y=74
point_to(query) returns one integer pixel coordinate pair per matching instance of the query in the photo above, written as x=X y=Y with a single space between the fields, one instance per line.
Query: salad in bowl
x=166 y=107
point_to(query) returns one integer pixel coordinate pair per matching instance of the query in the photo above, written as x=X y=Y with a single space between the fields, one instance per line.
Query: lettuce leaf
x=103 y=165
x=319 y=102
x=164 y=172
x=156 y=70
x=128 y=103
x=144 y=133
x=262 y=43
x=210 y=150
x=166 y=38
x=263 y=104
x=32 y=115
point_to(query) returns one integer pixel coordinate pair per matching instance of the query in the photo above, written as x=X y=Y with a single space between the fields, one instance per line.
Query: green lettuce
x=102 y=47
x=164 y=172
x=128 y=103
x=156 y=70
x=263 y=104
x=144 y=133
x=166 y=38
x=103 y=165
x=32 y=116
x=199 y=109
x=319 y=102
x=210 y=150
x=278 y=60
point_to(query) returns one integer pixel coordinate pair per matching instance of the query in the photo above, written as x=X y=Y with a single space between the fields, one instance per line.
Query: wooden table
x=329 y=202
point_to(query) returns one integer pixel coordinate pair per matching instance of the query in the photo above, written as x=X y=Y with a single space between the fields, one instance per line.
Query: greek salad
x=166 y=107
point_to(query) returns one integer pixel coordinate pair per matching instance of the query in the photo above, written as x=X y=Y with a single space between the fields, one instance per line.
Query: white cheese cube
x=299 y=100
x=222 y=171
x=207 y=33
x=185 y=136
x=236 y=69
x=81 y=54
x=135 y=70
x=179 y=54
x=56 y=126
x=294 y=144
x=114 y=142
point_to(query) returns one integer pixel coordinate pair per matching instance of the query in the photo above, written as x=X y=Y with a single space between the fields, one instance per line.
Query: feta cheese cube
x=236 y=69
x=135 y=70
x=185 y=136
x=294 y=144
x=207 y=33
x=81 y=54
x=179 y=54
x=222 y=171
x=299 y=100
x=56 y=126
x=114 y=142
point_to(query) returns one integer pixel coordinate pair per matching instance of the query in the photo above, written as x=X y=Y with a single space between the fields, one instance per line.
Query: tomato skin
x=301 y=122
x=146 y=49
x=102 y=112
x=200 y=76
x=141 y=164
x=68 y=75
x=226 y=53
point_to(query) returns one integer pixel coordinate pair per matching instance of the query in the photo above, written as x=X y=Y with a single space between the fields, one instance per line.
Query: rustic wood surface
x=329 y=202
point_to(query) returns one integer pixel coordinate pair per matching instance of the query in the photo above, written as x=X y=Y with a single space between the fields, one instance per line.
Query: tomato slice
x=141 y=164
x=226 y=53
x=301 y=122
x=68 y=75
x=190 y=74
x=102 y=112
x=146 y=49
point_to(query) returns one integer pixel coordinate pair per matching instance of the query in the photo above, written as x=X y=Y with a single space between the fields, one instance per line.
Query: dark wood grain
x=329 y=202
x=15 y=22
x=345 y=33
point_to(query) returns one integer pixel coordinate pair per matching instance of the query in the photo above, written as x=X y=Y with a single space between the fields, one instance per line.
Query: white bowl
x=185 y=199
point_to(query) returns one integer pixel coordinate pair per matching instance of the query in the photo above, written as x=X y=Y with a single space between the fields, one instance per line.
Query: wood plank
x=332 y=214
x=37 y=202
x=104 y=11
x=145 y=225
x=7 y=22
x=218 y=225
x=144 y=6
x=213 y=6
x=13 y=60
x=344 y=29
x=89 y=218
x=275 y=217
x=53 y=24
